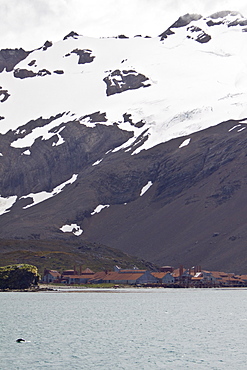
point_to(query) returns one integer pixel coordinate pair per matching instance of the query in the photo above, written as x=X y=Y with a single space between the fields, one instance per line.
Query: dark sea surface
x=124 y=329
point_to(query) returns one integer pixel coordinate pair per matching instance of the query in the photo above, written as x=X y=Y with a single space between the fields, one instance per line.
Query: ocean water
x=124 y=329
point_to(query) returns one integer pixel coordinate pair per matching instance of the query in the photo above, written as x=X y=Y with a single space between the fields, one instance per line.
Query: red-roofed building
x=69 y=272
x=228 y=279
x=98 y=277
x=203 y=278
x=50 y=276
x=164 y=277
x=243 y=278
x=137 y=277
x=73 y=277
x=77 y=279
x=182 y=276
x=193 y=277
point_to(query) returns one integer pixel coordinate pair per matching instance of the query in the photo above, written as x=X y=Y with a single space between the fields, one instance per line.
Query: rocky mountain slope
x=138 y=143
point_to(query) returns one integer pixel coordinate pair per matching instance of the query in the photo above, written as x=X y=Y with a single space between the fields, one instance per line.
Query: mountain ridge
x=105 y=142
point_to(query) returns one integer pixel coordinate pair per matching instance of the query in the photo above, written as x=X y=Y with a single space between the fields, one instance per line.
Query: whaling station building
x=167 y=276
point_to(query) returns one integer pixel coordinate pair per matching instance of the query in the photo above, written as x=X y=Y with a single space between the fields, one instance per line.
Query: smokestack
x=181 y=270
x=45 y=271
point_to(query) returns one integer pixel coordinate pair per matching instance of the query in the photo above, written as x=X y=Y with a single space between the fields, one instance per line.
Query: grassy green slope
x=60 y=255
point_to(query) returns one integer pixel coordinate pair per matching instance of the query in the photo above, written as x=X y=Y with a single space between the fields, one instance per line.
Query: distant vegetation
x=62 y=255
x=18 y=276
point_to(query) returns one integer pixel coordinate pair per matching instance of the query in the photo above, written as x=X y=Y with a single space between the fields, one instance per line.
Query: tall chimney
x=181 y=270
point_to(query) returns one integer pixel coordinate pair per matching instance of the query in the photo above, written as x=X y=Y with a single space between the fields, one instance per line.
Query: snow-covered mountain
x=136 y=143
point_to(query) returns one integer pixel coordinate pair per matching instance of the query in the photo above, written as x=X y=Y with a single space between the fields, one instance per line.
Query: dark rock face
x=96 y=117
x=241 y=23
x=127 y=118
x=201 y=36
x=192 y=187
x=10 y=57
x=82 y=147
x=181 y=22
x=122 y=37
x=47 y=45
x=4 y=95
x=185 y=20
x=59 y=72
x=194 y=190
x=211 y=23
x=72 y=34
x=217 y=19
x=24 y=73
x=43 y=72
x=85 y=55
x=119 y=81
x=32 y=63
x=214 y=20
x=223 y=14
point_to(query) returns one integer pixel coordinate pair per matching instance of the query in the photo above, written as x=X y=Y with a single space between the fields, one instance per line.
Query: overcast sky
x=29 y=23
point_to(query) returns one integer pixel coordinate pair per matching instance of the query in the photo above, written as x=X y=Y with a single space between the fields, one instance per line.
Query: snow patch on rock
x=7 y=203
x=241 y=129
x=99 y=208
x=72 y=228
x=145 y=188
x=232 y=128
x=45 y=132
x=27 y=152
x=43 y=195
x=185 y=143
x=97 y=162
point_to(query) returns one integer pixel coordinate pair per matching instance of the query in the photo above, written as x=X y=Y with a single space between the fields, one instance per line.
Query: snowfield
x=192 y=85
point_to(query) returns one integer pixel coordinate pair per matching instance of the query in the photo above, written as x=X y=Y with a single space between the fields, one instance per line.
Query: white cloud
x=30 y=23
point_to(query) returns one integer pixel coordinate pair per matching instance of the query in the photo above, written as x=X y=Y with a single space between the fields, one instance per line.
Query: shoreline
x=83 y=289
